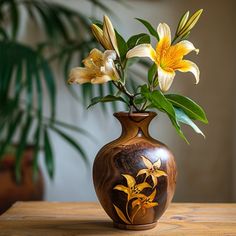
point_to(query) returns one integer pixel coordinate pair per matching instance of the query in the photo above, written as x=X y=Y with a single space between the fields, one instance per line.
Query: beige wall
x=206 y=167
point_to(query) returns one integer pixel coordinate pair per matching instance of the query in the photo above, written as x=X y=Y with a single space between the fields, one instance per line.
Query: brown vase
x=28 y=189
x=135 y=175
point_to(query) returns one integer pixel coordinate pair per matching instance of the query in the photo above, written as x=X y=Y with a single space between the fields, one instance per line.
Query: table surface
x=71 y=219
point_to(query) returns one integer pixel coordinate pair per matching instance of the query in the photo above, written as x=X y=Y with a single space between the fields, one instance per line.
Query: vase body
x=135 y=175
x=28 y=189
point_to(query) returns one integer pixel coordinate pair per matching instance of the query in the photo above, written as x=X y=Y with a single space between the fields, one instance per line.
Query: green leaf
x=139 y=100
x=144 y=39
x=36 y=151
x=73 y=143
x=11 y=131
x=138 y=39
x=178 y=129
x=122 y=46
x=50 y=84
x=158 y=100
x=21 y=147
x=108 y=98
x=49 y=158
x=151 y=72
x=14 y=17
x=150 y=28
x=182 y=117
x=191 y=108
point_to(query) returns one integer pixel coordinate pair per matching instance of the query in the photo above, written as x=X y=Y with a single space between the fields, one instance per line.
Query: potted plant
x=24 y=69
x=135 y=175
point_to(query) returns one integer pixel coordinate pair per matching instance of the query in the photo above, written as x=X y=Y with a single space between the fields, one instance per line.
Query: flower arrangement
x=111 y=66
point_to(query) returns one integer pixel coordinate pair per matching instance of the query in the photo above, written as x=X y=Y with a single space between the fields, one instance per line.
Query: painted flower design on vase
x=137 y=198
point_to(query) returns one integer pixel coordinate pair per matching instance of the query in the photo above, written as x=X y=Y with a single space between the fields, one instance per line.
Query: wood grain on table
x=71 y=219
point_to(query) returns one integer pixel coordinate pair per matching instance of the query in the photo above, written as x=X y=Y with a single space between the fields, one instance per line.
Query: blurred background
x=206 y=168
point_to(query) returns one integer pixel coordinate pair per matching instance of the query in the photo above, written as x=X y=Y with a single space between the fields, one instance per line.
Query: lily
x=168 y=58
x=152 y=170
x=133 y=190
x=143 y=204
x=99 y=68
x=107 y=35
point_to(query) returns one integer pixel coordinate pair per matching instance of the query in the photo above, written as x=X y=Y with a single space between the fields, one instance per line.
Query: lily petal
x=80 y=75
x=189 y=66
x=164 y=33
x=152 y=204
x=165 y=79
x=143 y=171
x=159 y=173
x=97 y=32
x=143 y=186
x=186 y=47
x=122 y=188
x=94 y=59
x=154 y=180
x=147 y=163
x=109 y=32
x=130 y=180
x=142 y=50
x=101 y=79
x=157 y=163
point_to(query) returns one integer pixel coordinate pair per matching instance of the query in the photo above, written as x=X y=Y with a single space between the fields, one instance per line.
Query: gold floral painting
x=134 y=191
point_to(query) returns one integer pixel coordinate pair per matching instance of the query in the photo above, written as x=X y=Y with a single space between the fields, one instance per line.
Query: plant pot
x=135 y=175
x=28 y=189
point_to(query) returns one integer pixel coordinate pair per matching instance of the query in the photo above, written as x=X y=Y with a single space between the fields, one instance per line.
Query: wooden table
x=71 y=219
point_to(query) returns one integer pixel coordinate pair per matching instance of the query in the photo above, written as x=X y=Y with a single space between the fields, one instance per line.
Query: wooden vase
x=135 y=175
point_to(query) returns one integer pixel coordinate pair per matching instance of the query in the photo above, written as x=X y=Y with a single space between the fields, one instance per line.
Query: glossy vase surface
x=135 y=175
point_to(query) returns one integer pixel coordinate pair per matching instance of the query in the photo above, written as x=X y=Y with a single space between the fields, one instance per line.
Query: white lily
x=168 y=58
x=99 y=68
x=107 y=35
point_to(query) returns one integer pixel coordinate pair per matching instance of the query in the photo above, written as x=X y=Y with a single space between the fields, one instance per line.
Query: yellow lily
x=99 y=68
x=133 y=190
x=143 y=204
x=167 y=57
x=152 y=170
x=107 y=35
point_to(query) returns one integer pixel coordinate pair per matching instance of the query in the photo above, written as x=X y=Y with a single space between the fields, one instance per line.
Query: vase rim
x=135 y=114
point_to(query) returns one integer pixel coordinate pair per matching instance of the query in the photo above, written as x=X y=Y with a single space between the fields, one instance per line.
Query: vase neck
x=135 y=124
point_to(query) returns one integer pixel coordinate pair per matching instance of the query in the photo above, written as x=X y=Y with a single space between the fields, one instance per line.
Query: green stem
x=121 y=87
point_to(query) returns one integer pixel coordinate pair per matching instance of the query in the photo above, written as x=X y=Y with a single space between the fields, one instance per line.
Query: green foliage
x=191 y=108
x=183 y=118
x=138 y=39
x=151 y=73
x=108 y=98
x=122 y=46
x=25 y=69
x=149 y=27
x=49 y=159
x=157 y=100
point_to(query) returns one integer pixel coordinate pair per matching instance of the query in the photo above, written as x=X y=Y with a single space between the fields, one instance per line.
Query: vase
x=28 y=189
x=135 y=175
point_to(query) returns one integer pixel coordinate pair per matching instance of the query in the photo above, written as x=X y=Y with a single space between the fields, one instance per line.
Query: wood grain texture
x=135 y=175
x=71 y=219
